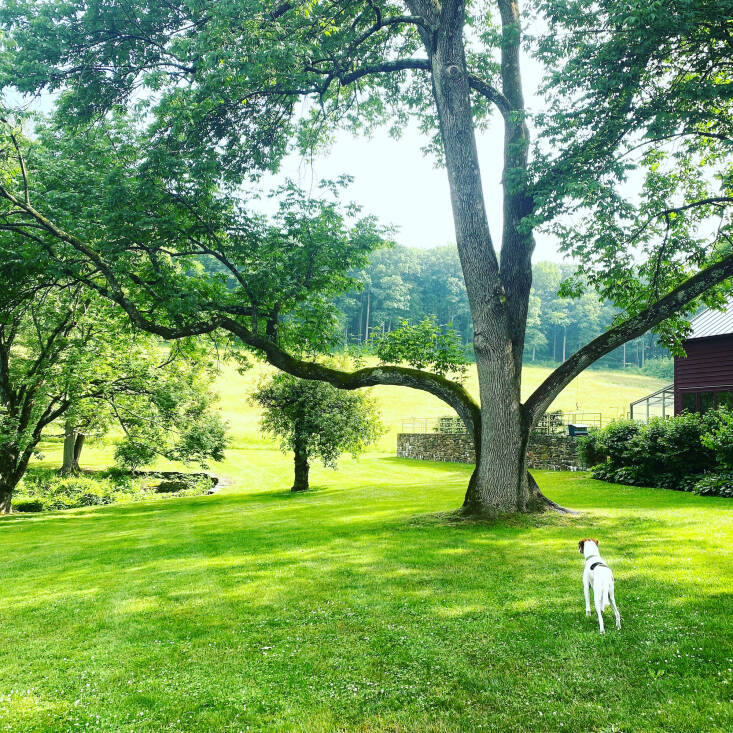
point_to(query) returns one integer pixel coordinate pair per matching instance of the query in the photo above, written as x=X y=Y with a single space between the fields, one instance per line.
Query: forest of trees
x=412 y=284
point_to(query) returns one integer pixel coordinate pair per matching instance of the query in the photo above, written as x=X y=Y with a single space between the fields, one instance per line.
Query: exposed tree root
x=542 y=501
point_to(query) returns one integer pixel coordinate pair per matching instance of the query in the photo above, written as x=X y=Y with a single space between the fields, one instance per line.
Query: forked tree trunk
x=498 y=293
x=302 y=467
x=70 y=463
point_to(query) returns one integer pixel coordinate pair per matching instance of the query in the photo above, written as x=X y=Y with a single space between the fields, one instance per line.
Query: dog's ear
x=580 y=545
x=598 y=544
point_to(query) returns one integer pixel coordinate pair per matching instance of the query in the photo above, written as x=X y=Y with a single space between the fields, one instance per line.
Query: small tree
x=314 y=419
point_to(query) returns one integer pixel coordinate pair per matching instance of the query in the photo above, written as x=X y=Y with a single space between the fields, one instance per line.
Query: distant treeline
x=409 y=283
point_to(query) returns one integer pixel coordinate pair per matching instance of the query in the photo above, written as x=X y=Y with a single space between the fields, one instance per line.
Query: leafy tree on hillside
x=316 y=420
x=129 y=204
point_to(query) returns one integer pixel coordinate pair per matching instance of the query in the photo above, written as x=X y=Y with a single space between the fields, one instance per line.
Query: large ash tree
x=631 y=167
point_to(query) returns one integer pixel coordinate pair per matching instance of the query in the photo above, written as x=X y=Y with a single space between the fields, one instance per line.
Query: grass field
x=361 y=606
x=608 y=392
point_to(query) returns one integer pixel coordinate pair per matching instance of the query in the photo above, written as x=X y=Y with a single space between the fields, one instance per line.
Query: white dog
x=598 y=575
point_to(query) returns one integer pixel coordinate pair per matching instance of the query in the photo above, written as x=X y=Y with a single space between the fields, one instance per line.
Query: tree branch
x=635 y=326
x=450 y=392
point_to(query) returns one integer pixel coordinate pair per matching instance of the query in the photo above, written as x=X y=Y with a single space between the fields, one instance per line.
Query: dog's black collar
x=595 y=564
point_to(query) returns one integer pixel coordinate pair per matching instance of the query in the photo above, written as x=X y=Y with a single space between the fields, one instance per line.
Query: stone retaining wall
x=545 y=452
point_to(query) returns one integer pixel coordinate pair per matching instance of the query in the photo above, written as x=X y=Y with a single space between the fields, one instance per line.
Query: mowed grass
x=362 y=607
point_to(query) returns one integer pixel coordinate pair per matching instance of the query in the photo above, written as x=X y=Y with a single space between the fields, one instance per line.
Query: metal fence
x=550 y=423
x=445 y=425
x=558 y=421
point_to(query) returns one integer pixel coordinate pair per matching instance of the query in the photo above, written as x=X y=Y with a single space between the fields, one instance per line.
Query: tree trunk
x=366 y=327
x=499 y=482
x=6 y=499
x=78 y=446
x=564 y=342
x=361 y=317
x=301 y=466
x=70 y=465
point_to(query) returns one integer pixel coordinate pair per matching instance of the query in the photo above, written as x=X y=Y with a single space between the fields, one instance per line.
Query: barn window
x=689 y=401
x=707 y=401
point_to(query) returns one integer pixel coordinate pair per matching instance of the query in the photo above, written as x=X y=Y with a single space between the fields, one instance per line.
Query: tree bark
x=69 y=466
x=6 y=499
x=78 y=447
x=499 y=482
x=302 y=468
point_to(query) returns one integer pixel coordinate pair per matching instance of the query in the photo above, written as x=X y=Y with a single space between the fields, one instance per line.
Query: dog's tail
x=604 y=598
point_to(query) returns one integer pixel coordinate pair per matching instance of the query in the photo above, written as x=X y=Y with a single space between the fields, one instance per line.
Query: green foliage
x=323 y=420
x=668 y=453
x=591 y=450
x=719 y=437
x=46 y=490
x=404 y=283
x=131 y=454
x=658 y=366
x=651 y=97
x=424 y=345
x=715 y=484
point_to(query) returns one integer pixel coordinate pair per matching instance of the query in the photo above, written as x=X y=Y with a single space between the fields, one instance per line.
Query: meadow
x=606 y=391
x=363 y=605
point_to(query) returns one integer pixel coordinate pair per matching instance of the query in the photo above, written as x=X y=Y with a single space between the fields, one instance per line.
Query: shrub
x=28 y=505
x=44 y=489
x=76 y=491
x=591 y=450
x=672 y=453
x=718 y=437
x=616 y=440
x=715 y=484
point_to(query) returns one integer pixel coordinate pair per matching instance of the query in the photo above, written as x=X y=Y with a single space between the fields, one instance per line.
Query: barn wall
x=707 y=367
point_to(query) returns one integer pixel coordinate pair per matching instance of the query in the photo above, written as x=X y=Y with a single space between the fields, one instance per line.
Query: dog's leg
x=586 y=590
x=613 y=605
x=598 y=598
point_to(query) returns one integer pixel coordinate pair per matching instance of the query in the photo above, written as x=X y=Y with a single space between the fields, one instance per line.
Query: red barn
x=704 y=378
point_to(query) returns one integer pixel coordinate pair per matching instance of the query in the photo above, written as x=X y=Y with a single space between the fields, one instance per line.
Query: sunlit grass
x=606 y=391
x=362 y=606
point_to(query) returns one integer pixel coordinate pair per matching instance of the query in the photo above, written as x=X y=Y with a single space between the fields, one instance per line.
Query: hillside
x=608 y=392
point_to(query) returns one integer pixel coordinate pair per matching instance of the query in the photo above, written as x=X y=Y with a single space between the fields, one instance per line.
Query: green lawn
x=606 y=391
x=360 y=607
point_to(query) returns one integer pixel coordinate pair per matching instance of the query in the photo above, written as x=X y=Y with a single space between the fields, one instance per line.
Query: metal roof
x=713 y=322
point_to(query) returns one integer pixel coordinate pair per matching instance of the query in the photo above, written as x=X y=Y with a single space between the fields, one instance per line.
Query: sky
x=401 y=186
